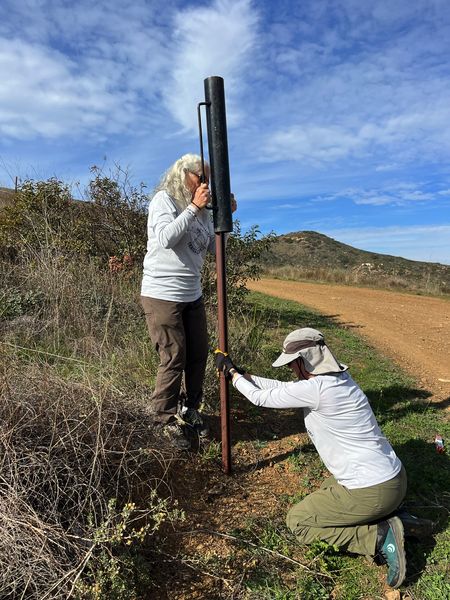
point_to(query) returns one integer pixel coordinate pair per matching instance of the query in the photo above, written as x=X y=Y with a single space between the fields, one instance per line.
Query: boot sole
x=399 y=536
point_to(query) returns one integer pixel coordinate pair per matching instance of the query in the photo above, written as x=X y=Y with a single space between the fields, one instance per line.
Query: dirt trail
x=413 y=330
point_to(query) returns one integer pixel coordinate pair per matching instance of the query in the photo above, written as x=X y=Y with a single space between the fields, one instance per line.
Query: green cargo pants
x=178 y=331
x=347 y=518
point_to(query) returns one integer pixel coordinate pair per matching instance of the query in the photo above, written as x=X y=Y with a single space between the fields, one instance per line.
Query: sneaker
x=390 y=544
x=175 y=434
x=413 y=526
x=194 y=419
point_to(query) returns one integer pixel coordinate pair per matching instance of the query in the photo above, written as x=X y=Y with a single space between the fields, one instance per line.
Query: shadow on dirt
x=257 y=424
x=444 y=404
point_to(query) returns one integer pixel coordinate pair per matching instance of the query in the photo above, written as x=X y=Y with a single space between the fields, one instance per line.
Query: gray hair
x=174 y=179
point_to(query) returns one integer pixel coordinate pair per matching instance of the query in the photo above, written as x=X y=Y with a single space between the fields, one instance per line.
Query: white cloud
x=84 y=69
x=209 y=40
x=105 y=68
x=408 y=136
x=373 y=93
x=395 y=193
x=387 y=167
x=314 y=144
x=285 y=206
x=46 y=95
x=392 y=196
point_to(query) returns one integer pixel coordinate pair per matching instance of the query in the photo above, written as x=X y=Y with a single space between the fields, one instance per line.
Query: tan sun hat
x=309 y=344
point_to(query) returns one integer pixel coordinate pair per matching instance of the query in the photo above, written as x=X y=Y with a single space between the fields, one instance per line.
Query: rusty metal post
x=223 y=345
x=223 y=223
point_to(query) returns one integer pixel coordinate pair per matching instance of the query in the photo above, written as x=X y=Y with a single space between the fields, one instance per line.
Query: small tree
x=118 y=214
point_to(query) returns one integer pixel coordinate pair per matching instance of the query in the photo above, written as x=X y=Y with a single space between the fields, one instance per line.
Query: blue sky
x=338 y=111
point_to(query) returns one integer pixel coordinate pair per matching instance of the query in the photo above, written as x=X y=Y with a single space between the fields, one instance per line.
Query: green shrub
x=15 y=302
x=117 y=215
x=44 y=215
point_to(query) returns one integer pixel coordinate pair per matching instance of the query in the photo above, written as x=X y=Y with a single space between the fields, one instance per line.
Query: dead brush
x=79 y=472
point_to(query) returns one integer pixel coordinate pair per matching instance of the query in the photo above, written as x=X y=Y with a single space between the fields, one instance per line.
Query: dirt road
x=413 y=330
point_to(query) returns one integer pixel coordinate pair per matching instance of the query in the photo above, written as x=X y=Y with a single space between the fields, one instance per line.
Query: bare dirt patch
x=413 y=330
x=217 y=504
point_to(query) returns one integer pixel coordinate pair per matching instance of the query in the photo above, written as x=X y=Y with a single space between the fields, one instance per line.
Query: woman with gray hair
x=180 y=233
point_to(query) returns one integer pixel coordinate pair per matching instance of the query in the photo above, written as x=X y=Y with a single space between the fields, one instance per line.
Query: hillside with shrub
x=104 y=224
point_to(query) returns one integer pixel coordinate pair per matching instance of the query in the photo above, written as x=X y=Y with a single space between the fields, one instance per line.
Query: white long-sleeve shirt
x=339 y=421
x=176 y=249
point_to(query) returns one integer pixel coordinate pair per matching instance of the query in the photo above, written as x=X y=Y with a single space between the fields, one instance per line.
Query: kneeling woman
x=354 y=507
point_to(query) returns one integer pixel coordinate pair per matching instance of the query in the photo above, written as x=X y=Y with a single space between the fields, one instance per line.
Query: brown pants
x=179 y=333
x=347 y=518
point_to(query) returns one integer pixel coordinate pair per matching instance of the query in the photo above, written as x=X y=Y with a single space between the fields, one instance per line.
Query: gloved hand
x=224 y=364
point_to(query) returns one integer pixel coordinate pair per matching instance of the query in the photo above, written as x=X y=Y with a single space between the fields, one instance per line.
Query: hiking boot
x=413 y=526
x=194 y=419
x=390 y=544
x=174 y=433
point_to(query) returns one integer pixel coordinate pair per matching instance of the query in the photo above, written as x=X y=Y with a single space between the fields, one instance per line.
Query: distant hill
x=312 y=251
x=315 y=256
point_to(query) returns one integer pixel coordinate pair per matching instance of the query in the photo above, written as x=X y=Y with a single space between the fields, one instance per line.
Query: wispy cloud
x=375 y=92
x=394 y=193
x=47 y=96
x=83 y=70
x=87 y=69
x=284 y=206
x=406 y=136
x=386 y=167
x=209 y=40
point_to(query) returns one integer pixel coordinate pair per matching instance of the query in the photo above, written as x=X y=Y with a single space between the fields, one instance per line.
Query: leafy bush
x=45 y=215
x=117 y=214
x=15 y=302
x=42 y=215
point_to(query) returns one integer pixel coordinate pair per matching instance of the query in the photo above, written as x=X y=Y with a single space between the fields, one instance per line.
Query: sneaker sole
x=398 y=531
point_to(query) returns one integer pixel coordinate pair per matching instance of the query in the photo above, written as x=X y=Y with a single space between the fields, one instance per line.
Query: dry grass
x=362 y=275
x=79 y=463
x=66 y=451
x=84 y=486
